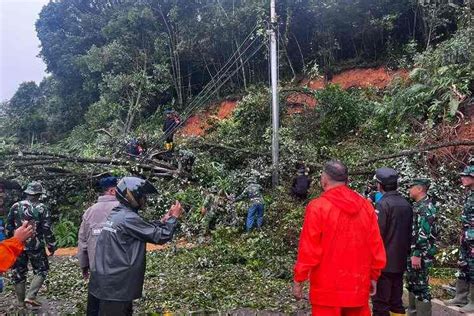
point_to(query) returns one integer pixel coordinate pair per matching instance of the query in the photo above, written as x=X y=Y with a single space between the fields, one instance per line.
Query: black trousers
x=115 y=308
x=389 y=295
x=93 y=304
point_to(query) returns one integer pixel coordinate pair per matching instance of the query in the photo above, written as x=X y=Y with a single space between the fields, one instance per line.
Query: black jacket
x=169 y=124
x=120 y=254
x=395 y=217
x=301 y=184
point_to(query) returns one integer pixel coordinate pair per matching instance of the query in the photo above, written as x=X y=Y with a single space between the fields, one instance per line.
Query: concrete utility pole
x=275 y=107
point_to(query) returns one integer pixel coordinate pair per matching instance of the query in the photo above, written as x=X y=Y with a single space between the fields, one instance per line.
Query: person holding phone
x=39 y=217
x=121 y=247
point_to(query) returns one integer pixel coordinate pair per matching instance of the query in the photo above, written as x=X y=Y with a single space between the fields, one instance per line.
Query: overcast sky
x=19 y=45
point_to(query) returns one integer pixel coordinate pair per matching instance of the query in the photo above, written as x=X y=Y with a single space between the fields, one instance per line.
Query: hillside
x=370 y=83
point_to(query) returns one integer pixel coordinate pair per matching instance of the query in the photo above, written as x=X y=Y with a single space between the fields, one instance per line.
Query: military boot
x=35 y=286
x=462 y=290
x=469 y=308
x=411 y=310
x=20 y=289
x=423 y=308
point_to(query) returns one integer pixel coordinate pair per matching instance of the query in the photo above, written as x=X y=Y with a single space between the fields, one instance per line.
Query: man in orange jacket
x=11 y=248
x=340 y=249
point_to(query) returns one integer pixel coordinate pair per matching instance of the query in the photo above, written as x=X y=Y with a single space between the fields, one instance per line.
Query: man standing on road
x=395 y=218
x=120 y=251
x=37 y=214
x=340 y=248
x=93 y=221
x=423 y=249
x=465 y=283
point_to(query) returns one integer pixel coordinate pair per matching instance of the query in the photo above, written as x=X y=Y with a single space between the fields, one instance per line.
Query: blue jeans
x=2 y=230
x=255 y=210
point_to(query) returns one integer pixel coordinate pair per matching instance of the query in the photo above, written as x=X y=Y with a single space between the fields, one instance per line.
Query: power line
x=210 y=88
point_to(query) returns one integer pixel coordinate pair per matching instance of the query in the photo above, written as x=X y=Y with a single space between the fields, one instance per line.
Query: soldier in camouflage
x=39 y=217
x=465 y=283
x=423 y=249
x=254 y=193
x=186 y=160
x=212 y=206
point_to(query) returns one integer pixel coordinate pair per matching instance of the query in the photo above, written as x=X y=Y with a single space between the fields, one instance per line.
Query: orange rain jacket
x=340 y=249
x=10 y=249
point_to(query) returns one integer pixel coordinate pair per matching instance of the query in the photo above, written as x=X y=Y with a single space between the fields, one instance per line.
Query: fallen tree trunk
x=417 y=151
x=37 y=159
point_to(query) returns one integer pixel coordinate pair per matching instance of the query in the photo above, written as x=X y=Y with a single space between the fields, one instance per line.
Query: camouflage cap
x=420 y=181
x=34 y=188
x=468 y=171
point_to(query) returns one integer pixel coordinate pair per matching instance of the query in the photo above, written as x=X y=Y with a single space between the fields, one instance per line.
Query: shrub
x=65 y=232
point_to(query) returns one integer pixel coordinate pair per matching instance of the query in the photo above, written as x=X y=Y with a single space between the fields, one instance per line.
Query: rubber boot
x=35 y=286
x=469 y=308
x=411 y=310
x=460 y=299
x=423 y=308
x=20 y=289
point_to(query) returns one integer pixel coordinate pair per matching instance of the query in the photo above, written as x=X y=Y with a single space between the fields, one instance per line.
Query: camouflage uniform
x=213 y=206
x=186 y=160
x=466 y=256
x=34 y=252
x=423 y=245
x=254 y=192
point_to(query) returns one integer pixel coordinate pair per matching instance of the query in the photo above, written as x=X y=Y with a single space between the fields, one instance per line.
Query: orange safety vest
x=10 y=249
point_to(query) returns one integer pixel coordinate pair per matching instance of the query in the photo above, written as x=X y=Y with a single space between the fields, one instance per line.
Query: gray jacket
x=92 y=222
x=120 y=254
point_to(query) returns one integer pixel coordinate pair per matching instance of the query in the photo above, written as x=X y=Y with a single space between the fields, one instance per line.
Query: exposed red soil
x=361 y=78
x=297 y=102
x=378 y=78
x=197 y=124
x=194 y=126
x=463 y=130
x=72 y=251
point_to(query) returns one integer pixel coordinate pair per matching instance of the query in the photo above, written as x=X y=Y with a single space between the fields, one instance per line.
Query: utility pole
x=274 y=80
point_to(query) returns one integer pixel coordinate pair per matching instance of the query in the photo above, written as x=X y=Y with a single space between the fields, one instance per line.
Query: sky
x=19 y=45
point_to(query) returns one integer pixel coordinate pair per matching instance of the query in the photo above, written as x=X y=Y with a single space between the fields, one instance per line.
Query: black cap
x=108 y=182
x=386 y=176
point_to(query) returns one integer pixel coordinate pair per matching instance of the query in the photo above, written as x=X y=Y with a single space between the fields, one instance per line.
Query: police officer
x=465 y=283
x=120 y=251
x=423 y=248
x=395 y=218
x=38 y=215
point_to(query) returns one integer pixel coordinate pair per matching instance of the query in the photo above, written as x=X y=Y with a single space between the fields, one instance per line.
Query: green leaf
x=453 y=106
